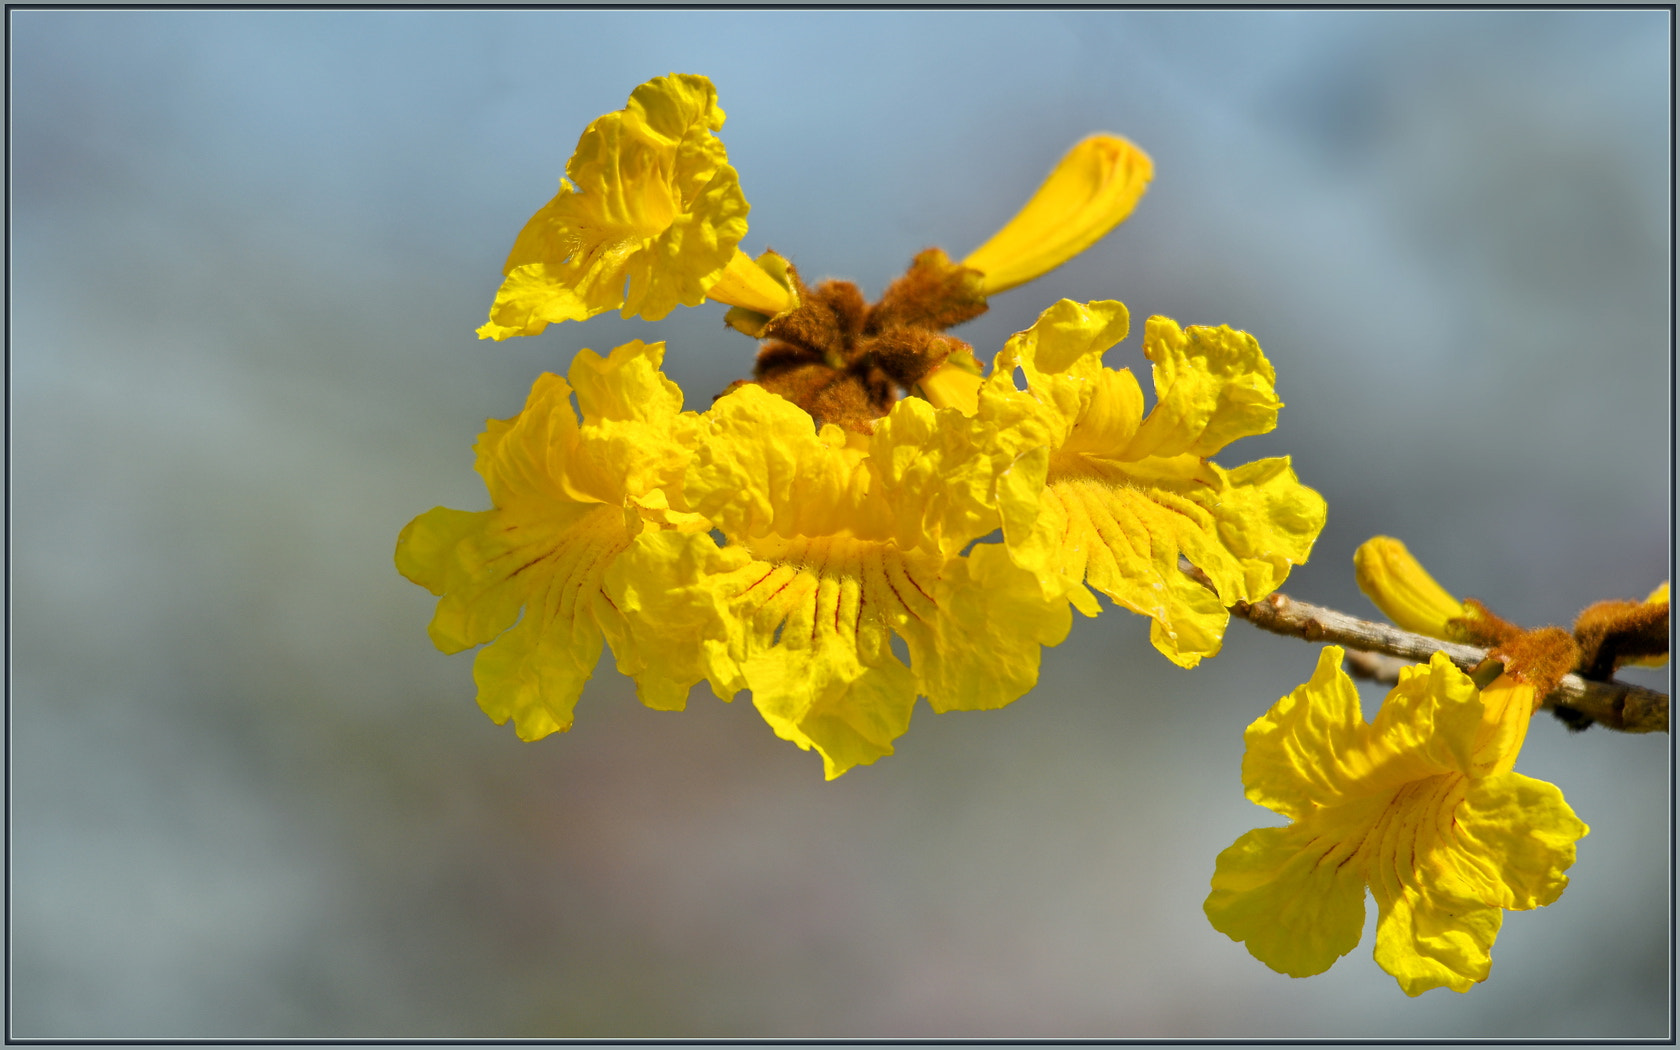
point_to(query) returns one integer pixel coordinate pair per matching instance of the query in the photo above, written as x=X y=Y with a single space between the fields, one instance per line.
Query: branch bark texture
x=1614 y=705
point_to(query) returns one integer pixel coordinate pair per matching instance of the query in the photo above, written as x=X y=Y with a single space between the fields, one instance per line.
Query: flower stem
x=1614 y=705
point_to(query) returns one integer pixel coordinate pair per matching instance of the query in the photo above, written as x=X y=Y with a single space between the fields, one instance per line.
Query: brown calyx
x=1540 y=657
x=1483 y=627
x=845 y=361
x=1611 y=633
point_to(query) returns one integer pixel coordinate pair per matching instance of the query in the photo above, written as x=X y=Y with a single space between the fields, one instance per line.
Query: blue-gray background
x=248 y=252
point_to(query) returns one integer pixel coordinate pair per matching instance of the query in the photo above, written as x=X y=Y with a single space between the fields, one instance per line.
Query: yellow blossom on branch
x=649 y=219
x=567 y=500
x=1118 y=496
x=834 y=548
x=1420 y=807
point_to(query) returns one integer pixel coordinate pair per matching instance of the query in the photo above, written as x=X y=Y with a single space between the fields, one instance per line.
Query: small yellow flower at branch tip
x=1420 y=807
x=648 y=218
x=1094 y=187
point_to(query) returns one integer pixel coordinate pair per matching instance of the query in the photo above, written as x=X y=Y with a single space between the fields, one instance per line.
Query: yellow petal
x=650 y=218
x=635 y=440
x=676 y=627
x=762 y=467
x=1294 y=904
x=535 y=672
x=1429 y=724
x=1094 y=187
x=1432 y=941
x=982 y=651
x=937 y=473
x=1212 y=386
x=1067 y=340
x=1404 y=591
x=817 y=617
x=453 y=554
x=1293 y=758
x=1122 y=527
x=1522 y=835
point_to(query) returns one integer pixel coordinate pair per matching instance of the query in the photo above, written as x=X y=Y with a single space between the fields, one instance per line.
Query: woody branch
x=1614 y=705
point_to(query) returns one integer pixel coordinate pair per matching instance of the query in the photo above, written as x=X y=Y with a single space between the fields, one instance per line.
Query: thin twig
x=1614 y=705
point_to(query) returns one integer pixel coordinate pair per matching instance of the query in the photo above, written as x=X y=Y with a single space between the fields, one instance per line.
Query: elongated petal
x=1095 y=186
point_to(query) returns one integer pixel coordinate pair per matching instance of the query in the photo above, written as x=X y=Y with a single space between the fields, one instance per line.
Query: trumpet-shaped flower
x=1421 y=807
x=567 y=500
x=1120 y=496
x=836 y=546
x=649 y=218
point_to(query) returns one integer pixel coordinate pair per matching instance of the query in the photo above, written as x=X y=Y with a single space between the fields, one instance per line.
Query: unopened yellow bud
x=1405 y=592
x=749 y=285
x=1096 y=185
x=955 y=383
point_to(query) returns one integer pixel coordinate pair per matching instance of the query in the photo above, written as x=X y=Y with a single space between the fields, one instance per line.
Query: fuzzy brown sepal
x=1540 y=657
x=934 y=293
x=1482 y=627
x=1612 y=633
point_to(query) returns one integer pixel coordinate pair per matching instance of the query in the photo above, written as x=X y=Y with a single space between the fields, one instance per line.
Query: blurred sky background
x=248 y=252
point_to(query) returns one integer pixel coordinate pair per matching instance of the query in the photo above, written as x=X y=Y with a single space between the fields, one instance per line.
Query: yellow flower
x=837 y=545
x=650 y=218
x=567 y=500
x=1420 y=806
x=1096 y=185
x=1117 y=497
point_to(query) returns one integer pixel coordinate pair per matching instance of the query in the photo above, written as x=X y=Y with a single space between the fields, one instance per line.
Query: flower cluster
x=873 y=517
